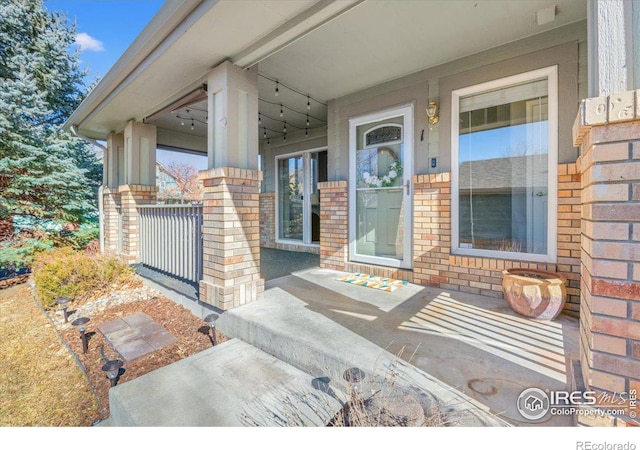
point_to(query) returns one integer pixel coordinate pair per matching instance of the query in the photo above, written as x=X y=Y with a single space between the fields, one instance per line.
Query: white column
x=139 y=154
x=613 y=46
x=232 y=129
x=113 y=160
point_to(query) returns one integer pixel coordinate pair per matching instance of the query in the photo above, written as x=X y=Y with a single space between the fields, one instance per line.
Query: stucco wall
x=564 y=46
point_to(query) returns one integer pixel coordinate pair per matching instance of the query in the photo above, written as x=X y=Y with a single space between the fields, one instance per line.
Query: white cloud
x=86 y=42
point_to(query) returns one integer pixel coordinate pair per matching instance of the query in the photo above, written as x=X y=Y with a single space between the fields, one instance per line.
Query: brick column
x=334 y=228
x=431 y=228
x=608 y=131
x=231 y=241
x=111 y=204
x=268 y=219
x=132 y=195
x=569 y=212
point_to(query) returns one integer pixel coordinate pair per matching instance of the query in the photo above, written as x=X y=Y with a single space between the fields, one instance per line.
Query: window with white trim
x=504 y=167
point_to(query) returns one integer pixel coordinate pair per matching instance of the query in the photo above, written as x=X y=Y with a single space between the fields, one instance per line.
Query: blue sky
x=105 y=28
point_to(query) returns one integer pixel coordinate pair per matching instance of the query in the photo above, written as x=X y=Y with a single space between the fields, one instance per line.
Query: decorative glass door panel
x=290 y=197
x=380 y=171
x=298 y=196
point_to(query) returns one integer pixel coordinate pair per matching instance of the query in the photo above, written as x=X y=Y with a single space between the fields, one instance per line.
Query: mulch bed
x=191 y=332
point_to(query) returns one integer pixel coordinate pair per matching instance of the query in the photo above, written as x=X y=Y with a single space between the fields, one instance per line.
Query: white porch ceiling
x=379 y=41
x=336 y=54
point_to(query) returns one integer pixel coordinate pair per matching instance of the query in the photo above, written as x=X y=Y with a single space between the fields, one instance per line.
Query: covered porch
x=337 y=128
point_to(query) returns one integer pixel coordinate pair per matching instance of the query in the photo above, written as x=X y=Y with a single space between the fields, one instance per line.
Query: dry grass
x=40 y=383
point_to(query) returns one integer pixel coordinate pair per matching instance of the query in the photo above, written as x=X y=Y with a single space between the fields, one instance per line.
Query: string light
x=268 y=141
x=307 y=119
x=192 y=124
x=306 y=132
x=259 y=119
x=284 y=129
x=285 y=137
x=281 y=110
x=277 y=90
x=308 y=102
x=264 y=134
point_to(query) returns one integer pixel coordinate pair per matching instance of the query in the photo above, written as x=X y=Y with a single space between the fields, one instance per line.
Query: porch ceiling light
x=432 y=113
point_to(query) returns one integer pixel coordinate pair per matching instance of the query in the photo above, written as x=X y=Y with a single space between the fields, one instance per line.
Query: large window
x=504 y=164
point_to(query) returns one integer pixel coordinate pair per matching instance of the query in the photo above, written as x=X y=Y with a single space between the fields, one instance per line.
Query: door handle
x=408 y=186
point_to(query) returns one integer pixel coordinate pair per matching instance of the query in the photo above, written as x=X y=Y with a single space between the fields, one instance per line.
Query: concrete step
x=231 y=384
x=282 y=326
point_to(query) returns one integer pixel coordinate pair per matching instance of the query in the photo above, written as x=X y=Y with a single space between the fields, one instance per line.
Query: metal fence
x=171 y=239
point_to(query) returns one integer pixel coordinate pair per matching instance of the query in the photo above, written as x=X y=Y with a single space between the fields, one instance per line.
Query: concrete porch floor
x=472 y=343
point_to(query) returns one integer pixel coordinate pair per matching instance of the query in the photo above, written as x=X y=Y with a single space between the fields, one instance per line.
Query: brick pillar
x=111 y=205
x=569 y=212
x=334 y=229
x=268 y=219
x=608 y=131
x=132 y=195
x=431 y=228
x=231 y=241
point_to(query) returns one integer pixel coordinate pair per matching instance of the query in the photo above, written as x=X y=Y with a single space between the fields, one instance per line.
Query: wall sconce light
x=432 y=113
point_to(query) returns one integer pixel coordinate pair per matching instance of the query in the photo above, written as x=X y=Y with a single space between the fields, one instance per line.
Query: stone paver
x=135 y=336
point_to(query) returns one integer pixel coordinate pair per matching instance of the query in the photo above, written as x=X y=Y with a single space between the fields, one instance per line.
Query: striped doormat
x=374 y=282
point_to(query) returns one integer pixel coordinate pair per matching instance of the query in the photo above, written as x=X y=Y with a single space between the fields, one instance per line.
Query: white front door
x=381 y=165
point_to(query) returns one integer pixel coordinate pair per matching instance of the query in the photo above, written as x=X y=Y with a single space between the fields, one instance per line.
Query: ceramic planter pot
x=534 y=293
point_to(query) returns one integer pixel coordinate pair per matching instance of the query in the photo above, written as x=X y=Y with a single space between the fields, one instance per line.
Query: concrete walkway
x=475 y=344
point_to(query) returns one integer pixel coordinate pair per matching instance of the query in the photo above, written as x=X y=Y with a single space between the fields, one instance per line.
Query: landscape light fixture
x=64 y=304
x=354 y=376
x=112 y=370
x=211 y=321
x=81 y=322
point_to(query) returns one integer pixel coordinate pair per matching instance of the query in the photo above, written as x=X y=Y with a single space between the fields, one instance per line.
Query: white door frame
x=306 y=201
x=407 y=111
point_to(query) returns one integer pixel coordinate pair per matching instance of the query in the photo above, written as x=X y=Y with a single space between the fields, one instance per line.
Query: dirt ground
x=17 y=303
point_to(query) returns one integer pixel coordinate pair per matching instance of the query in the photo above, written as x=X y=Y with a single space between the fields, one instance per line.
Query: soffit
x=379 y=41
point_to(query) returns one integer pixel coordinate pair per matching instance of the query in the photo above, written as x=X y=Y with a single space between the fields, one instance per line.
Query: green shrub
x=19 y=252
x=79 y=239
x=65 y=272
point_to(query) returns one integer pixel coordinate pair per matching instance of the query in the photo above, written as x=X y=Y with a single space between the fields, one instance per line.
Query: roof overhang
x=326 y=48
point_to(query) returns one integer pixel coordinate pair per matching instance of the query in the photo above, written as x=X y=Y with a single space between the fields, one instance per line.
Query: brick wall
x=434 y=265
x=610 y=317
x=268 y=219
x=132 y=195
x=231 y=237
x=569 y=252
x=334 y=231
x=268 y=227
x=608 y=131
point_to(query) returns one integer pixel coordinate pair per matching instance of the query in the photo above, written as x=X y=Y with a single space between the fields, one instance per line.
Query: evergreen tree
x=44 y=172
